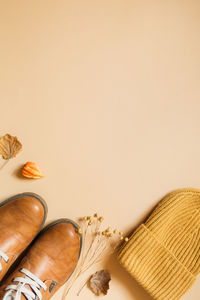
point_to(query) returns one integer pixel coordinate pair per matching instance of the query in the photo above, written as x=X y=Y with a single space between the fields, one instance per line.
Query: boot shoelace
x=14 y=292
x=4 y=257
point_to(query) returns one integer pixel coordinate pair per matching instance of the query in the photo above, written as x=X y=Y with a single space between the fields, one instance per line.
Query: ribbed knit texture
x=163 y=254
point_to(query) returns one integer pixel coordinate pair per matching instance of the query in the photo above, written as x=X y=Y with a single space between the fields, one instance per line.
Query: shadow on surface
x=121 y=275
x=18 y=173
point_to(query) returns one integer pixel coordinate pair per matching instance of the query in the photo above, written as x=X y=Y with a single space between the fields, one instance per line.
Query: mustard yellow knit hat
x=163 y=254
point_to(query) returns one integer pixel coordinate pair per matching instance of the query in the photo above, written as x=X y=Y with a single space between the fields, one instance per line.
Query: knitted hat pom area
x=163 y=254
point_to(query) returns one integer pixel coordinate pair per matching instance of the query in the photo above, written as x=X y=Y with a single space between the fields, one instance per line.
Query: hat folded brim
x=154 y=267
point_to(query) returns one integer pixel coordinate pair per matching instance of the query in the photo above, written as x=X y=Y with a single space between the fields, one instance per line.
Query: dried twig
x=97 y=244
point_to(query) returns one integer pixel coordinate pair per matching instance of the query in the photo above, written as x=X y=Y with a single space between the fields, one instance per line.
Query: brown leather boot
x=48 y=264
x=21 y=217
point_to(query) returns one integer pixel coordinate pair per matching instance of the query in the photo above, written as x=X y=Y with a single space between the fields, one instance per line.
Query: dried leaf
x=99 y=282
x=9 y=146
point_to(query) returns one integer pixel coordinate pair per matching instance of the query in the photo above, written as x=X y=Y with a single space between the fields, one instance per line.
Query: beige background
x=105 y=96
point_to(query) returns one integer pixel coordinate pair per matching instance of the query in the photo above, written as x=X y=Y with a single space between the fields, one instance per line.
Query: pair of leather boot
x=49 y=260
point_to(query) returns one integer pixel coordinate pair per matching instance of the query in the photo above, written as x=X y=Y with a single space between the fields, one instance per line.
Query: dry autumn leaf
x=99 y=282
x=10 y=146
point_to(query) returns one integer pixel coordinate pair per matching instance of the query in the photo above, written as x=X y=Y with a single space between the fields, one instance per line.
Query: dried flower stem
x=4 y=164
x=96 y=245
x=80 y=290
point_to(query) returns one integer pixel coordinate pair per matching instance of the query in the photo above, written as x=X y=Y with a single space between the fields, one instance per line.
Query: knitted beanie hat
x=163 y=254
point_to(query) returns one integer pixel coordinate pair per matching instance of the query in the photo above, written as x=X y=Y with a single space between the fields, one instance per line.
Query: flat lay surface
x=104 y=96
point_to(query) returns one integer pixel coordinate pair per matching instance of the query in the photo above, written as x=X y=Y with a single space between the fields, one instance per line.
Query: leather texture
x=21 y=218
x=52 y=257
